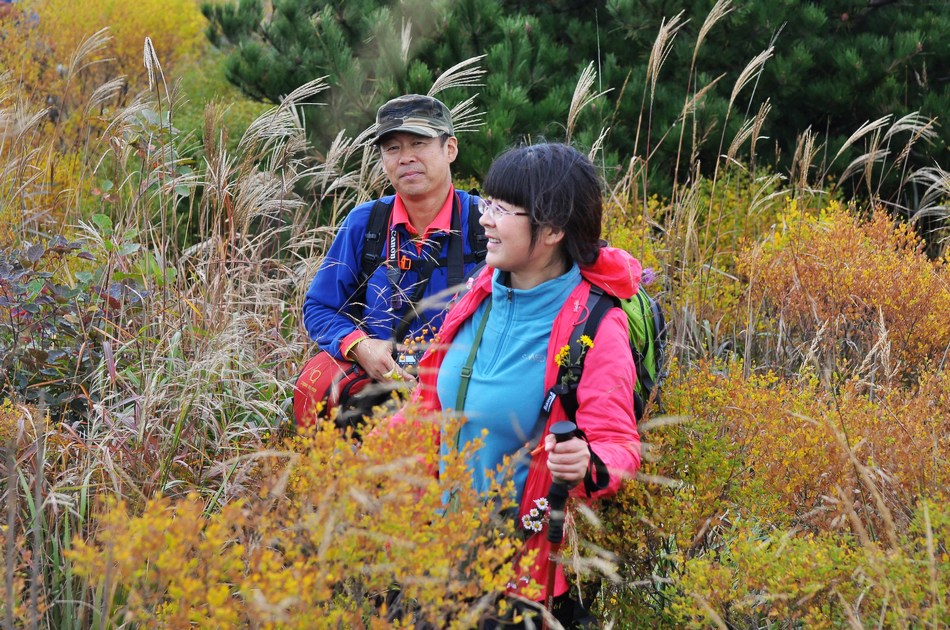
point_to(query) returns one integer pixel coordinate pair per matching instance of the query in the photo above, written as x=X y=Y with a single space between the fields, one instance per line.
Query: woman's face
x=508 y=228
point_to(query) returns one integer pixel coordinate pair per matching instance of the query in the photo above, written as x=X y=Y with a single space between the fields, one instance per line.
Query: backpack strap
x=374 y=239
x=455 y=256
x=378 y=234
x=374 y=242
x=598 y=303
x=477 y=241
x=659 y=351
x=466 y=374
x=568 y=377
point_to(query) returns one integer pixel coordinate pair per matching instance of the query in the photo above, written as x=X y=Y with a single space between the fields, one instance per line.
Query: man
x=426 y=245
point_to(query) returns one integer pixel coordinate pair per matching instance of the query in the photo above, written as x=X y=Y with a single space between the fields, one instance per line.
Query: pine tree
x=835 y=65
x=355 y=44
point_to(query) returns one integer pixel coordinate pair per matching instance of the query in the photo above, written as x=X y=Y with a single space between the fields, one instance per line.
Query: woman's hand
x=567 y=461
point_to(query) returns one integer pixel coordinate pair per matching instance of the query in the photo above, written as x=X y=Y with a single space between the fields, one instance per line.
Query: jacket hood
x=615 y=271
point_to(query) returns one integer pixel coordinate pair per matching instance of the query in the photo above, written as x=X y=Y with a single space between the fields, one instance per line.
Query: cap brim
x=419 y=130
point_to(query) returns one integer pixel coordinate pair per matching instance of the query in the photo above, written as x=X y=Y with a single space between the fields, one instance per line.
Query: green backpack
x=647 y=342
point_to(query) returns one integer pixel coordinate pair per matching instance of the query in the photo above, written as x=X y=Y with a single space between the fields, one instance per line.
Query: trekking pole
x=557 y=500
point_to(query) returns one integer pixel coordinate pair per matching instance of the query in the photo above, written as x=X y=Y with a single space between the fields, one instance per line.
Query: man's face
x=418 y=167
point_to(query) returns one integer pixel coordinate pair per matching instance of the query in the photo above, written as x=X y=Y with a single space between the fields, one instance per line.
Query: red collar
x=441 y=223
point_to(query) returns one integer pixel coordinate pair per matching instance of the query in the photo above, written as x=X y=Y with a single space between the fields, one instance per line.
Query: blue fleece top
x=329 y=311
x=507 y=385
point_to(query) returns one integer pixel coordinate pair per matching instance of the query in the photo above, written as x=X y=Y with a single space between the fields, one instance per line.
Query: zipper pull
x=511 y=294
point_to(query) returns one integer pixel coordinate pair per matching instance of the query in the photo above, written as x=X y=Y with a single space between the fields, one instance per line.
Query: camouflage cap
x=414 y=113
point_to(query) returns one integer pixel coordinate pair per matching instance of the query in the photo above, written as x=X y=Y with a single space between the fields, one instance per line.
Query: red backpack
x=326 y=384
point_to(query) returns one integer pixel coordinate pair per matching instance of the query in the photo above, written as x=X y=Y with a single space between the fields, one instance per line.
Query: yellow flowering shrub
x=763 y=577
x=9 y=422
x=775 y=576
x=780 y=484
x=58 y=27
x=336 y=536
x=690 y=243
x=60 y=84
x=851 y=296
x=628 y=227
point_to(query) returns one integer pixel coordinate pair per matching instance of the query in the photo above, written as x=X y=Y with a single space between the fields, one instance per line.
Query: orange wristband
x=353 y=344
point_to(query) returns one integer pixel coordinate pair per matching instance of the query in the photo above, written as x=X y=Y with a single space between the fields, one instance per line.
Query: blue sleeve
x=328 y=314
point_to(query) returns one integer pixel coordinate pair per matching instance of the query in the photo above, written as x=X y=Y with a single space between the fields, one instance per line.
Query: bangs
x=508 y=179
x=540 y=178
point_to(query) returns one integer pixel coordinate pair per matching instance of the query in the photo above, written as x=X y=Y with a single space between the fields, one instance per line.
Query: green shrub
x=55 y=304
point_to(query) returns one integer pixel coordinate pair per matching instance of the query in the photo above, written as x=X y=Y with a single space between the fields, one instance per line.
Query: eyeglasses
x=494 y=209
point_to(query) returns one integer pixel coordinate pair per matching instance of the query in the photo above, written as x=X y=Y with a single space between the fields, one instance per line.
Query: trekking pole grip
x=559 y=490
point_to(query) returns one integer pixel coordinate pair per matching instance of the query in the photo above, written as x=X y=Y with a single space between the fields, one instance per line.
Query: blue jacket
x=329 y=311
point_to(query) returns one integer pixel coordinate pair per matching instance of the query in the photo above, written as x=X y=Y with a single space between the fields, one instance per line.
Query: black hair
x=559 y=188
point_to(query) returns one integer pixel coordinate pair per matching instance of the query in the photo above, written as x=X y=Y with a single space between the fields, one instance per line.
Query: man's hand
x=568 y=461
x=376 y=357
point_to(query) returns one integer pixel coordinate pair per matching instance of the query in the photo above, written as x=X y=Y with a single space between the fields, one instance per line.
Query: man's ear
x=452 y=148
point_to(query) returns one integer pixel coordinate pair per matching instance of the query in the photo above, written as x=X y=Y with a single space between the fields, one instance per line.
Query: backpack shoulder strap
x=456 y=251
x=568 y=377
x=477 y=240
x=374 y=239
x=598 y=303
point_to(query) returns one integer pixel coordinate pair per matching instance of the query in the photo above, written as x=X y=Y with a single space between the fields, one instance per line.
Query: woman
x=541 y=210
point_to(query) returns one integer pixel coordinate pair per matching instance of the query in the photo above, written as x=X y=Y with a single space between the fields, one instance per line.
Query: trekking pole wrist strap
x=597 y=476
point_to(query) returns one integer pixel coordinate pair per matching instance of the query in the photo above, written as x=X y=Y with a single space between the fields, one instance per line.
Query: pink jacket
x=604 y=394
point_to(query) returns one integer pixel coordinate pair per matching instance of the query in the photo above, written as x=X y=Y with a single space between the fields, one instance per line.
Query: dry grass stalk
x=464 y=74
x=662 y=46
x=598 y=144
x=862 y=131
x=693 y=97
x=804 y=158
x=405 y=40
x=152 y=65
x=934 y=201
x=744 y=133
x=582 y=98
x=689 y=107
x=105 y=93
x=878 y=357
x=751 y=71
x=84 y=55
x=721 y=9
x=919 y=127
x=713 y=615
x=466 y=116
